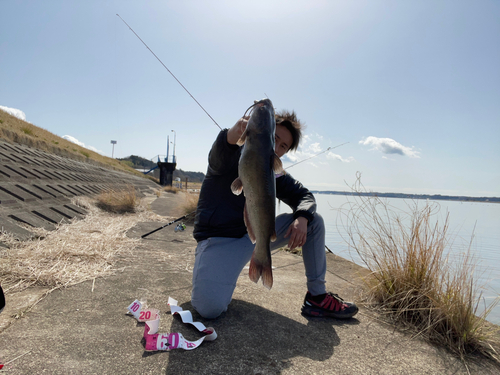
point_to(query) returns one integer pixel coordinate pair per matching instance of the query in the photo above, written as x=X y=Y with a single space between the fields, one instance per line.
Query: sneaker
x=331 y=305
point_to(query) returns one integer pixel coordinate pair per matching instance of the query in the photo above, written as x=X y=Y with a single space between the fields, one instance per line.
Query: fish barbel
x=256 y=179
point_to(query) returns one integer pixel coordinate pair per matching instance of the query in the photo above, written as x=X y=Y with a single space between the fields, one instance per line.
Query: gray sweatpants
x=220 y=260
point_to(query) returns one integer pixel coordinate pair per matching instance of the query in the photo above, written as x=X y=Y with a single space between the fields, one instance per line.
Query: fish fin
x=277 y=164
x=250 y=231
x=267 y=277
x=258 y=269
x=242 y=139
x=273 y=236
x=237 y=186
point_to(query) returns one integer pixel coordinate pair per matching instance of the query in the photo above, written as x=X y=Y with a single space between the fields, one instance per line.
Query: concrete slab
x=31 y=173
x=78 y=189
x=44 y=190
x=69 y=214
x=17 y=193
x=10 y=227
x=32 y=219
x=6 y=199
x=77 y=209
x=34 y=192
x=44 y=174
x=50 y=215
x=13 y=172
x=5 y=156
x=67 y=191
x=53 y=189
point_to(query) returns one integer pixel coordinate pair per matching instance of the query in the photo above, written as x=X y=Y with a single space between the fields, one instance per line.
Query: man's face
x=283 y=140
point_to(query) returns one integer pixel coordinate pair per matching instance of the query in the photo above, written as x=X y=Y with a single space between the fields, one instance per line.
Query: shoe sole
x=311 y=311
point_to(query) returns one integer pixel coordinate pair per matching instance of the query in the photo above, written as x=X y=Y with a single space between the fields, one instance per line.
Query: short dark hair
x=290 y=121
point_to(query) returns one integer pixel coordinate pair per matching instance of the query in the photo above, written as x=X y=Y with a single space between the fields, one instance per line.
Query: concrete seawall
x=36 y=187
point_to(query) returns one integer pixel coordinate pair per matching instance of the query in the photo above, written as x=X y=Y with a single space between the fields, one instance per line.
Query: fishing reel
x=180 y=227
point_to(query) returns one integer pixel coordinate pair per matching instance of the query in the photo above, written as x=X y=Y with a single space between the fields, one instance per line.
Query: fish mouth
x=258 y=103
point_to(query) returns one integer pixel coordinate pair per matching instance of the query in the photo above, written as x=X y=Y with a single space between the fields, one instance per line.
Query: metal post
x=168 y=144
x=113 y=151
x=174 y=145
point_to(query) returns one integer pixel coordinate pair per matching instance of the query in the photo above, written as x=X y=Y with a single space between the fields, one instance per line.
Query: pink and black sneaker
x=328 y=305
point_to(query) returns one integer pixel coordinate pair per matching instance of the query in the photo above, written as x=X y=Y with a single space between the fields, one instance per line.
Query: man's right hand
x=237 y=130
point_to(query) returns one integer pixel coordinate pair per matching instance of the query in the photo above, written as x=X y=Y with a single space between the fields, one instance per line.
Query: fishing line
x=172 y=74
x=319 y=153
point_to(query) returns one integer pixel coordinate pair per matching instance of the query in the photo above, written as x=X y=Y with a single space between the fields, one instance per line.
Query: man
x=224 y=247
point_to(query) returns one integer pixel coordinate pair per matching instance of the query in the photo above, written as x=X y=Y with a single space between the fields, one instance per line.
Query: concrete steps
x=36 y=187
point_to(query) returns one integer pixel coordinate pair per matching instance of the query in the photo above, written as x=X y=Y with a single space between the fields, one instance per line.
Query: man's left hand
x=297 y=232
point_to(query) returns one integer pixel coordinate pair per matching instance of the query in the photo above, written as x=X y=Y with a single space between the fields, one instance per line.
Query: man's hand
x=237 y=130
x=297 y=231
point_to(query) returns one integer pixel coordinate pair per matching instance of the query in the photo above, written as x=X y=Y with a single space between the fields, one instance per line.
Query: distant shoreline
x=412 y=196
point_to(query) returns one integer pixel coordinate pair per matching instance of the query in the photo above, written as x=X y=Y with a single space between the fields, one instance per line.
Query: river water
x=470 y=224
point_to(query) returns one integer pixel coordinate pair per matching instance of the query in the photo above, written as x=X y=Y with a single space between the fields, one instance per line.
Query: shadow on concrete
x=252 y=340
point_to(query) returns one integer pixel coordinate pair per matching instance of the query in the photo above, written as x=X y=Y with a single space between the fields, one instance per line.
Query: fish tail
x=260 y=269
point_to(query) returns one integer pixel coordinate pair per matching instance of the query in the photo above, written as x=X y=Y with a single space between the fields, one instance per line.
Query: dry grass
x=412 y=277
x=194 y=185
x=171 y=189
x=189 y=205
x=118 y=201
x=14 y=130
x=71 y=254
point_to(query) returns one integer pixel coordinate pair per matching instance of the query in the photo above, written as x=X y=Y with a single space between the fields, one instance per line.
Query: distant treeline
x=413 y=196
x=138 y=162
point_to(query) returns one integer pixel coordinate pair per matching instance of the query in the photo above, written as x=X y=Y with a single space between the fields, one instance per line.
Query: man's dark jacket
x=220 y=212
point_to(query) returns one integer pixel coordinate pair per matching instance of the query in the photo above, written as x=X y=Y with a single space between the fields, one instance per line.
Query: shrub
x=118 y=201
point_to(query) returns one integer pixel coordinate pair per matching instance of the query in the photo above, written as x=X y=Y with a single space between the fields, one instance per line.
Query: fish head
x=262 y=118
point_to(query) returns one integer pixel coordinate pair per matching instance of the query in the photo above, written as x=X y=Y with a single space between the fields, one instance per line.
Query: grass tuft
x=27 y=131
x=413 y=278
x=171 y=189
x=189 y=206
x=118 y=201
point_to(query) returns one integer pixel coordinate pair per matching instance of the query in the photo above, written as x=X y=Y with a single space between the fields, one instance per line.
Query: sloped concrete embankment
x=36 y=187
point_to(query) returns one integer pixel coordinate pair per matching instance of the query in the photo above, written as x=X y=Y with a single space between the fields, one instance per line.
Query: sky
x=409 y=89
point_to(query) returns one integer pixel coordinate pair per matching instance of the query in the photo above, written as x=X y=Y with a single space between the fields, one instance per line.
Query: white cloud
x=315 y=147
x=389 y=146
x=312 y=145
x=76 y=141
x=14 y=112
x=331 y=155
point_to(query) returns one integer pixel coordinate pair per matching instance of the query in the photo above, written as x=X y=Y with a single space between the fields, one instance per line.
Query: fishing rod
x=172 y=74
x=166 y=225
x=319 y=153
